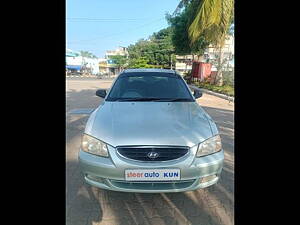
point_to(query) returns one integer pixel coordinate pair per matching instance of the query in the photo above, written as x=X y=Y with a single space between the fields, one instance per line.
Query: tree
x=120 y=61
x=140 y=49
x=157 y=50
x=212 y=21
x=87 y=54
x=140 y=62
x=180 y=21
x=164 y=50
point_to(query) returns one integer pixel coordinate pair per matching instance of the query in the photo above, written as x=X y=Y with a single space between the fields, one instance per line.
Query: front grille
x=158 y=153
x=160 y=185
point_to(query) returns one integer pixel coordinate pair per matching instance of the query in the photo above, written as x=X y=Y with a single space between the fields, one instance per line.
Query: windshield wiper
x=176 y=100
x=137 y=99
x=153 y=99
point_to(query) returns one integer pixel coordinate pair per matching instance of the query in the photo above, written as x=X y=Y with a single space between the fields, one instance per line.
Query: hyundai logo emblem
x=152 y=155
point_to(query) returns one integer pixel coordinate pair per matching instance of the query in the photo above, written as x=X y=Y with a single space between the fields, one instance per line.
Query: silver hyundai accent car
x=150 y=135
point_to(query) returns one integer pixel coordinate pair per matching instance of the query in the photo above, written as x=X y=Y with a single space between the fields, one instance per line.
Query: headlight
x=209 y=146
x=94 y=146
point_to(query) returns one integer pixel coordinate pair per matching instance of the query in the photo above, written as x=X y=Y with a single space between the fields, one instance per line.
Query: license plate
x=152 y=174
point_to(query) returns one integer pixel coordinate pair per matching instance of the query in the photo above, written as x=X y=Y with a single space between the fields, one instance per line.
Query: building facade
x=184 y=63
x=119 y=51
x=74 y=61
x=107 y=65
x=73 y=58
x=227 y=50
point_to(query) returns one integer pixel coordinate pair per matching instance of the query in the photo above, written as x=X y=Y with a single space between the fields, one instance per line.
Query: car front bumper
x=109 y=173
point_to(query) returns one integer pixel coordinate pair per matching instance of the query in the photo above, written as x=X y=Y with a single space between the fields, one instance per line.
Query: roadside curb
x=213 y=93
x=82 y=76
x=103 y=78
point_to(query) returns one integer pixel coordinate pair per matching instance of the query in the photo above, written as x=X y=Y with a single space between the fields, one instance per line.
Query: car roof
x=150 y=72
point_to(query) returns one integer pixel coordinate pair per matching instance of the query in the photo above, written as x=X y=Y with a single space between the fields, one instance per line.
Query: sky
x=100 y=25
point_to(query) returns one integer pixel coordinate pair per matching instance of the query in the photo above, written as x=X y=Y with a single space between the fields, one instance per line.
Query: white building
x=74 y=58
x=92 y=63
x=184 y=63
x=227 y=49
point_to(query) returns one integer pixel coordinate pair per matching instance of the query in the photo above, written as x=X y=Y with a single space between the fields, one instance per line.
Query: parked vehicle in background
x=85 y=70
x=150 y=135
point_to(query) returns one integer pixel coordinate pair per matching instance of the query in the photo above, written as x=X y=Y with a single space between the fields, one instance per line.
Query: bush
x=225 y=89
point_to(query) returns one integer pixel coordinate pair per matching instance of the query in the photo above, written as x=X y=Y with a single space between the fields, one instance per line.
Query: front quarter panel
x=213 y=127
x=89 y=124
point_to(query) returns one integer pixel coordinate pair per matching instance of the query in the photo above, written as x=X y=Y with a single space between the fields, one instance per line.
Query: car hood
x=149 y=123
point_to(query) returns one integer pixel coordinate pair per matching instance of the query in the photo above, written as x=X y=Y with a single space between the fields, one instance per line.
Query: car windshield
x=147 y=87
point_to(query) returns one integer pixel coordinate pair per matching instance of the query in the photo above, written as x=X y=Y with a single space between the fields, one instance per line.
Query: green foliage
x=225 y=89
x=210 y=19
x=119 y=60
x=87 y=54
x=180 y=37
x=141 y=62
x=157 y=50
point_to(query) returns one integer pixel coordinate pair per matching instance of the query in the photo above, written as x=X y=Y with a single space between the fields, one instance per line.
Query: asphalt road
x=86 y=205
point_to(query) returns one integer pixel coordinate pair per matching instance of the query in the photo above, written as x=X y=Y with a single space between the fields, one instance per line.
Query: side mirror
x=197 y=94
x=101 y=93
